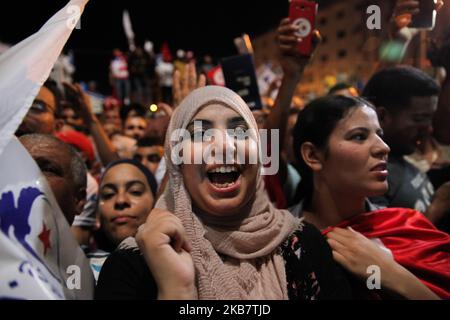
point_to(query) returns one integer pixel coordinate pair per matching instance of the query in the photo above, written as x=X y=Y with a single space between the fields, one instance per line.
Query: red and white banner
x=215 y=77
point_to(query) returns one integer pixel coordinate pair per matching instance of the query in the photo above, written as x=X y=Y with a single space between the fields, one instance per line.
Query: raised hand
x=291 y=61
x=106 y=150
x=83 y=101
x=163 y=242
x=404 y=11
x=185 y=83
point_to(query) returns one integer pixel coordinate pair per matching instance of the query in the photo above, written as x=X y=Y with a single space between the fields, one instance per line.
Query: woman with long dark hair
x=342 y=160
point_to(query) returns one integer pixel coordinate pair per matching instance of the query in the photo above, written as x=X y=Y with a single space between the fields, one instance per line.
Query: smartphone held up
x=302 y=14
x=426 y=17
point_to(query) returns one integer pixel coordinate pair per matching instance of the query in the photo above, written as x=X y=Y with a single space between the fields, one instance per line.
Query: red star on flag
x=44 y=236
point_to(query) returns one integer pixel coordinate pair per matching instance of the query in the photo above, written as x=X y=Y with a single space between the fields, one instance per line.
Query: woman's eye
x=241 y=133
x=106 y=196
x=136 y=193
x=198 y=135
x=359 y=137
x=202 y=135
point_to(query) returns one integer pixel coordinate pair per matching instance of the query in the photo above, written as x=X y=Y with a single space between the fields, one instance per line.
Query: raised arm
x=185 y=83
x=293 y=65
x=104 y=146
x=402 y=15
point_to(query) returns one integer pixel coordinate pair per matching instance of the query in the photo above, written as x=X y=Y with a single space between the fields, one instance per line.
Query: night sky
x=201 y=26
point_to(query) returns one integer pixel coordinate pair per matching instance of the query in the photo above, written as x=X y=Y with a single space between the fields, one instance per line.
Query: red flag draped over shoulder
x=414 y=242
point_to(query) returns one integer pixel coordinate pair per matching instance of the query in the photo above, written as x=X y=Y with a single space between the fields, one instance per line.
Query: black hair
x=150 y=177
x=393 y=88
x=103 y=241
x=138 y=108
x=315 y=124
x=339 y=86
x=149 y=141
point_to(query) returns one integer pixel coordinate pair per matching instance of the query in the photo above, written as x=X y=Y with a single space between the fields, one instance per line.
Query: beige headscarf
x=233 y=259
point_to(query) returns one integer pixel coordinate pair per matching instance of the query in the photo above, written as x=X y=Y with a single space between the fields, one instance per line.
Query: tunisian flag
x=414 y=242
x=39 y=257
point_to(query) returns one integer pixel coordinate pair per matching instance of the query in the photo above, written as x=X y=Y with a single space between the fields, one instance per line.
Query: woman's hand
x=163 y=242
x=185 y=83
x=291 y=61
x=83 y=101
x=404 y=10
x=440 y=206
x=356 y=254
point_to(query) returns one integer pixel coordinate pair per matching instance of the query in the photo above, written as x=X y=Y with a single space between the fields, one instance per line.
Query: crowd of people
x=348 y=194
x=141 y=76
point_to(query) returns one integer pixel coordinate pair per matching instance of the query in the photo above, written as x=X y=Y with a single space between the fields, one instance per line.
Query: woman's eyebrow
x=129 y=184
x=202 y=121
x=359 y=129
x=233 y=122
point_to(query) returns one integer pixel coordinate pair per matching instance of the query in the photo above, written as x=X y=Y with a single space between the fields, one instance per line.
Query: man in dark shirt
x=406 y=100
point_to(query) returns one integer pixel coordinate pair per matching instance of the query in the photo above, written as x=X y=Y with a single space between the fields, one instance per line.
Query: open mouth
x=380 y=167
x=224 y=177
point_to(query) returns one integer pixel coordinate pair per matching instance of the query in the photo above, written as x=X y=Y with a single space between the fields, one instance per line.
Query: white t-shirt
x=87 y=217
x=119 y=68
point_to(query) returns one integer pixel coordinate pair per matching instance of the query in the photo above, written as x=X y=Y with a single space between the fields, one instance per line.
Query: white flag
x=26 y=66
x=127 y=26
x=39 y=257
